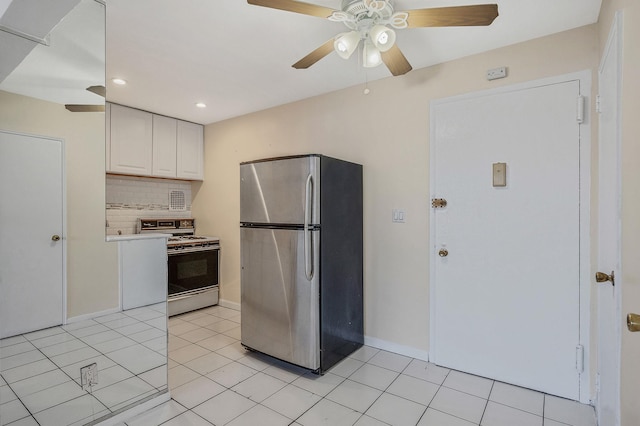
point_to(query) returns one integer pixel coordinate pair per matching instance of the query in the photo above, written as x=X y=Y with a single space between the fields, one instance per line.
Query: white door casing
x=509 y=301
x=31 y=214
x=609 y=227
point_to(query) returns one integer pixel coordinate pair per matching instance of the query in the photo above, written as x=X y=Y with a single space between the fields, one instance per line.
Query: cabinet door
x=190 y=150
x=131 y=141
x=164 y=146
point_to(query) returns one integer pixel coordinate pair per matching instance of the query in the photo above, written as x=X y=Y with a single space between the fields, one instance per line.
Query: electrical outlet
x=89 y=376
x=496 y=73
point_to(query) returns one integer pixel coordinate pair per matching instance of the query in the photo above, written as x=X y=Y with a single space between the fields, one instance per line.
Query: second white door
x=31 y=233
x=507 y=282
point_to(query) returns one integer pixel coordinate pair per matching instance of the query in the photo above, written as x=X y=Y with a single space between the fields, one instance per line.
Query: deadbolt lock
x=601 y=277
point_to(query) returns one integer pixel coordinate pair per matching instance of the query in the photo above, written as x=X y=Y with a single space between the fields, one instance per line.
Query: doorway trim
x=613 y=47
x=585 y=81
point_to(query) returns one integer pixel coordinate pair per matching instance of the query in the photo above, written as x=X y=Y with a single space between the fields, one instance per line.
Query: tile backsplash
x=129 y=198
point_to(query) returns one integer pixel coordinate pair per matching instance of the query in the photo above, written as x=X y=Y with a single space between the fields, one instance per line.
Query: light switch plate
x=398 y=216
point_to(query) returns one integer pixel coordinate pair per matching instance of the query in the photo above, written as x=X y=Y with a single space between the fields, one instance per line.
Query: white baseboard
x=92 y=315
x=138 y=409
x=228 y=304
x=396 y=348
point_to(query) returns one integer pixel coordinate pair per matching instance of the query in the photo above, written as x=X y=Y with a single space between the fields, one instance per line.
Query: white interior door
x=505 y=300
x=609 y=300
x=31 y=215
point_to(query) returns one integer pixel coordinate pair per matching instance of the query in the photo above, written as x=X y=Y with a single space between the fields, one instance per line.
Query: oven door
x=193 y=271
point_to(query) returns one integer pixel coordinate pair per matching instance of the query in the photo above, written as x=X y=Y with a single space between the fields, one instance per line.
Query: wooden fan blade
x=396 y=62
x=314 y=56
x=84 y=108
x=295 y=6
x=98 y=90
x=456 y=16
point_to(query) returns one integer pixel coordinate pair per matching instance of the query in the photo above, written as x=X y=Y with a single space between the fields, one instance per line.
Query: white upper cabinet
x=131 y=141
x=145 y=144
x=190 y=150
x=164 y=146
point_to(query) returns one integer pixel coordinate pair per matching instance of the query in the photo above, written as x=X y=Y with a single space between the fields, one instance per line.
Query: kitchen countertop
x=130 y=237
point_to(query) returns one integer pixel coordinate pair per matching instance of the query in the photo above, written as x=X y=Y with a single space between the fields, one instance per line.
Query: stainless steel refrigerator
x=301 y=259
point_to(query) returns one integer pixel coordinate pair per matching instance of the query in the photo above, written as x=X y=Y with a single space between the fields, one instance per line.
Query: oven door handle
x=308 y=235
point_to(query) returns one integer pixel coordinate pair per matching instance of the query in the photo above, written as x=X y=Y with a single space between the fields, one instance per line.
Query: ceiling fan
x=369 y=22
x=98 y=90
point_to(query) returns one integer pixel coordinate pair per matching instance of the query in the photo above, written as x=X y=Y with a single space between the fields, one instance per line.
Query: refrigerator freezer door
x=274 y=191
x=280 y=307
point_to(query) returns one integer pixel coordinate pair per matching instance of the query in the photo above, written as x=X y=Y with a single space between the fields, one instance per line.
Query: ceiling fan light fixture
x=346 y=43
x=382 y=37
x=370 y=55
x=371 y=21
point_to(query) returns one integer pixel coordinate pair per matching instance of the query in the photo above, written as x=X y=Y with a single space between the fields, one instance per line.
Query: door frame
x=63 y=155
x=584 y=79
x=613 y=47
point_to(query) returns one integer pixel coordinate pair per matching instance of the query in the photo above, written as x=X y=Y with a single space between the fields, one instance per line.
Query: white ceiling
x=237 y=58
x=71 y=59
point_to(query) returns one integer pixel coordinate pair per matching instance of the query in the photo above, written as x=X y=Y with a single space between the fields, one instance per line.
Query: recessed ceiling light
x=201 y=105
x=119 y=81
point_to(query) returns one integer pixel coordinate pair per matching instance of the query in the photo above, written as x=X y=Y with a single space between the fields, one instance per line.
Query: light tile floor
x=40 y=371
x=214 y=380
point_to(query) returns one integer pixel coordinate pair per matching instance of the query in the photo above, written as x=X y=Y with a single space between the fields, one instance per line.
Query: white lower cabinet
x=143 y=272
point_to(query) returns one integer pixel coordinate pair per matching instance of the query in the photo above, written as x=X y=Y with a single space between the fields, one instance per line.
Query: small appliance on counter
x=301 y=242
x=193 y=264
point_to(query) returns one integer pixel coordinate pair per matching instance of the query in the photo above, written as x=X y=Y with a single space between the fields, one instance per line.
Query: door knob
x=55 y=238
x=443 y=253
x=633 y=322
x=601 y=277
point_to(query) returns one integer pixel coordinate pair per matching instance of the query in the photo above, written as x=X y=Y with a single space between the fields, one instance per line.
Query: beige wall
x=92 y=268
x=388 y=132
x=630 y=385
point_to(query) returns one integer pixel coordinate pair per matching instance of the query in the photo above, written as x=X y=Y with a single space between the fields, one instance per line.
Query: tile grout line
x=493 y=383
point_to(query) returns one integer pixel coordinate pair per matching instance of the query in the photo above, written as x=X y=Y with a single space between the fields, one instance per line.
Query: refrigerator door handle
x=308 y=256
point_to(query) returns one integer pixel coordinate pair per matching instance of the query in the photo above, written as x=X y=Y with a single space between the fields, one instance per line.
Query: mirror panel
x=48 y=61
